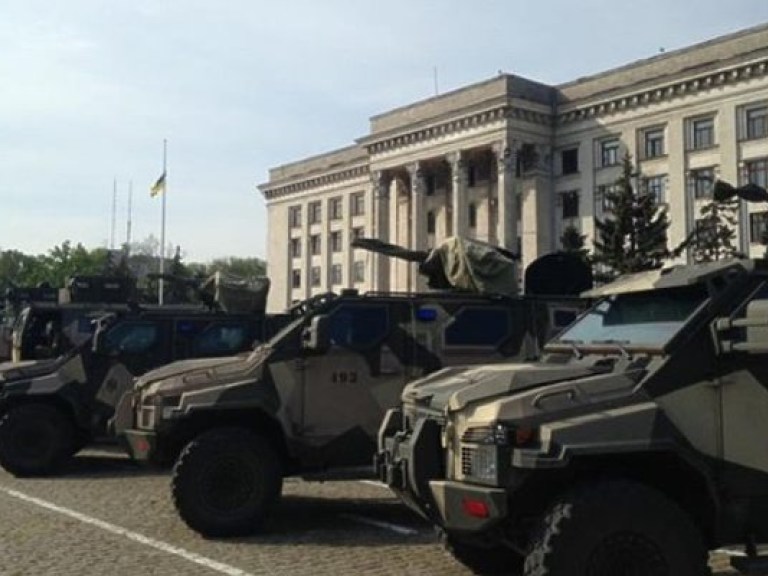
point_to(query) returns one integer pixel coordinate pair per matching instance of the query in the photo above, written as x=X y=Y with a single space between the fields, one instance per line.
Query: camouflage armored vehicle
x=49 y=409
x=309 y=401
x=633 y=446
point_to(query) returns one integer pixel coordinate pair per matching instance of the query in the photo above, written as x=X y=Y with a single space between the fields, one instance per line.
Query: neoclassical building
x=515 y=162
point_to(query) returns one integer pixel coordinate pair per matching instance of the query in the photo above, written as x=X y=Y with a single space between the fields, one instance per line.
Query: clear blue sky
x=90 y=88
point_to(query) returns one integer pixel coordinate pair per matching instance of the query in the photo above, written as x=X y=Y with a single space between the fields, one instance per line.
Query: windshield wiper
x=618 y=343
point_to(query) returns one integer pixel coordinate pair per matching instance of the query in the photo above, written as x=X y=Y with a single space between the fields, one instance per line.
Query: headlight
x=480 y=463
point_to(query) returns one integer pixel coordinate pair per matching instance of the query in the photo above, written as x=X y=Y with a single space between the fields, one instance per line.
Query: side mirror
x=317 y=335
x=99 y=334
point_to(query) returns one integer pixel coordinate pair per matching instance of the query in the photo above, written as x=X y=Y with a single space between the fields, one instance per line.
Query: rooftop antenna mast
x=434 y=70
x=114 y=212
x=128 y=225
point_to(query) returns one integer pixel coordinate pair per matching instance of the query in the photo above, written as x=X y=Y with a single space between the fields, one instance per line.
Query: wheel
x=482 y=560
x=226 y=481
x=35 y=440
x=616 y=528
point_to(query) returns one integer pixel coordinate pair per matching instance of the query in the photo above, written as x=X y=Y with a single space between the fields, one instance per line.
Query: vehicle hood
x=188 y=375
x=453 y=388
x=184 y=367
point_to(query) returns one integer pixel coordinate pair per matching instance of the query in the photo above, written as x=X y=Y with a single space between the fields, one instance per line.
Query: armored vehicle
x=633 y=446
x=51 y=408
x=309 y=401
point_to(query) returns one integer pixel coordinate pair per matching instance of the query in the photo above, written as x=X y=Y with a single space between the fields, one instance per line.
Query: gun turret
x=456 y=264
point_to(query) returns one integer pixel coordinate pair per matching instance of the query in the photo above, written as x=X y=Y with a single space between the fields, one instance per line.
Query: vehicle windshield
x=648 y=319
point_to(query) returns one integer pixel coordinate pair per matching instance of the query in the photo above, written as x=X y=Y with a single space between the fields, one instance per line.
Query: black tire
x=35 y=440
x=226 y=482
x=616 y=528
x=487 y=561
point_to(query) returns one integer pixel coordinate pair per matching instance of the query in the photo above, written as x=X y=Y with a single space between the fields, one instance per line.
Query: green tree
x=634 y=237
x=573 y=242
x=715 y=235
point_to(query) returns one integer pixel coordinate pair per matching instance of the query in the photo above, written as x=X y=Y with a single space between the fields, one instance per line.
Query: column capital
x=456 y=159
x=417 y=177
x=380 y=182
x=506 y=155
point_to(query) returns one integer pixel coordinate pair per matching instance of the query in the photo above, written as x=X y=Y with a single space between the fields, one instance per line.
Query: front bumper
x=412 y=464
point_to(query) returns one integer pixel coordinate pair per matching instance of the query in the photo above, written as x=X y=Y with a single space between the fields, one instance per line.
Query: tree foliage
x=140 y=261
x=574 y=242
x=714 y=237
x=633 y=237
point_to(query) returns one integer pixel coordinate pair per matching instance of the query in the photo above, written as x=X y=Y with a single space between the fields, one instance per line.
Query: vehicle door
x=742 y=340
x=130 y=348
x=349 y=386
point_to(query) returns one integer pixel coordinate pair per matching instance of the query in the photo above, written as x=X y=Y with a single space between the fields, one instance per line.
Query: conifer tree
x=633 y=237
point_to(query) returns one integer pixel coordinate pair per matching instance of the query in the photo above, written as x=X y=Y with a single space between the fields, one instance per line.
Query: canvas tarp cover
x=236 y=295
x=474 y=266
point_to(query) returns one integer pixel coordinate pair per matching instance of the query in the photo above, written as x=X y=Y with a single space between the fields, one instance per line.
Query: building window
x=314 y=276
x=357 y=203
x=700 y=182
x=336 y=241
x=609 y=152
x=603 y=196
x=295 y=278
x=705 y=229
x=570 y=203
x=358 y=232
x=570 y=161
x=358 y=271
x=472 y=215
x=335 y=209
x=431 y=222
x=294 y=216
x=758 y=227
x=295 y=247
x=756 y=122
x=314 y=244
x=336 y=274
x=655 y=185
x=701 y=133
x=653 y=143
x=756 y=172
x=315 y=212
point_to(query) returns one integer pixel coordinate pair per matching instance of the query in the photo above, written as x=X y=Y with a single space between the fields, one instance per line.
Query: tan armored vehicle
x=309 y=401
x=635 y=445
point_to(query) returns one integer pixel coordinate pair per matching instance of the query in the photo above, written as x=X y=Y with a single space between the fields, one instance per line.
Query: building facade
x=514 y=162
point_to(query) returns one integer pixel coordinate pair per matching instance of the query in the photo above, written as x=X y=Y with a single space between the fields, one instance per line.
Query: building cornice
x=273 y=192
x=665 y=92
x=376 y=144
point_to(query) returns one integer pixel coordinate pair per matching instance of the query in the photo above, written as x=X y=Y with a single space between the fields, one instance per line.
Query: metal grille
x=467 y=455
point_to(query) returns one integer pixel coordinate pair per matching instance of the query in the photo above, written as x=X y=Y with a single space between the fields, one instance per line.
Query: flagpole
x=128 y=223
x=114 y=213
x=162 y=228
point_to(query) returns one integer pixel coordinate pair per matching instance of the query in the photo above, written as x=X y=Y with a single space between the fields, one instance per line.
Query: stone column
x=459 y=200
x=418 y=224
x=505 y=189
x=379 y=226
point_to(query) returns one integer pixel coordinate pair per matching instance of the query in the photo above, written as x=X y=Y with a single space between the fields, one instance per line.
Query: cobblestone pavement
x=109 y=516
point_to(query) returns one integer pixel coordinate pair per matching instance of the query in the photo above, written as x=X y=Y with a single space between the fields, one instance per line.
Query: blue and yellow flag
x=158 y=187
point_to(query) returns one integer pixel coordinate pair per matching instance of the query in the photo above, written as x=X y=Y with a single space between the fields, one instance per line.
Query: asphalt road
x=108 y=516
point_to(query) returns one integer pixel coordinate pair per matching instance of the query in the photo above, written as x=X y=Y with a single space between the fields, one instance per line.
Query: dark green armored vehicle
x=51 y=408
x=309 y=401
x=635 y=445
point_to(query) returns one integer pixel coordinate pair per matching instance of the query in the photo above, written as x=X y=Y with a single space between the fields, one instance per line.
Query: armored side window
x=358 y=326
x=218 y=339
x=132 y=337
x=474 y=326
